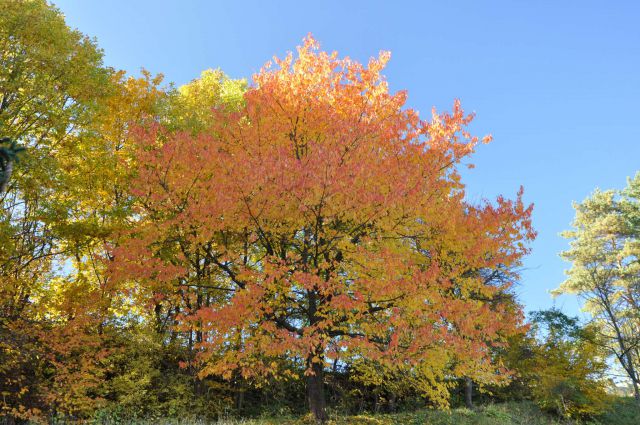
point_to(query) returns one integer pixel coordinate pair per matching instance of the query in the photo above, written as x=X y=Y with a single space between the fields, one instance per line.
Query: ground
x=623 y=412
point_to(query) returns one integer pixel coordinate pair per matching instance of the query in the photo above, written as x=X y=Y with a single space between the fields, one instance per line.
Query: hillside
x=623 y=412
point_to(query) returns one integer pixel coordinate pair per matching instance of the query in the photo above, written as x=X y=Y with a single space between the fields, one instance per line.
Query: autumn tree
x=95 y=320
x=51 y=79
x=189 y=107
x=560 y=365
x=323 y=218
x=58 y=207
x=112 y=345
x=106 y=347
x=605 y=271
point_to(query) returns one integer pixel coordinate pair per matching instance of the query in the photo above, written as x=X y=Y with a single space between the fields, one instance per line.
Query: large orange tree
x=322 y=218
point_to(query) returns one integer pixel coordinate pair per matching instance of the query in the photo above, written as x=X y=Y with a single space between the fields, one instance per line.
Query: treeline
x=226 y=248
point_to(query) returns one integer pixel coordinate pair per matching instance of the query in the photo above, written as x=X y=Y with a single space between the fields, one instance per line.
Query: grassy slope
x=624 y=412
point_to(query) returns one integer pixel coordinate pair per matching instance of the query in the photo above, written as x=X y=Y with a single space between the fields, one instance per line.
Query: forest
x=292 y=247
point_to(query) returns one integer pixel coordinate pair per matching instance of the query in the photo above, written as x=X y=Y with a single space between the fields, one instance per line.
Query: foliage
x=605 y=257
x=622 y=411
x=493 y=414
x=51 y=80
x=322 y=217
x=560 y=366
x=191 y=105
x=218 y=249
x=64 y=325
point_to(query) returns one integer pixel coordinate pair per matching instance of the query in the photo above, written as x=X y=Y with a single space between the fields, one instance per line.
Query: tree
x=605 y=271
x=322 y=218
x=190 y=106
x=561 y=365
x=64 y=324
x=51 y=80
x=58 y=325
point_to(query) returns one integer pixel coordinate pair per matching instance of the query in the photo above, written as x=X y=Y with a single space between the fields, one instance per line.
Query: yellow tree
x=190 y=107
x=81 y=300
x=63 y=201
x=51 y=79
x=90 y=307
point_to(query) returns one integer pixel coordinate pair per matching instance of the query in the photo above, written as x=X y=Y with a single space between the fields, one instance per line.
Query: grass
x=623 y=412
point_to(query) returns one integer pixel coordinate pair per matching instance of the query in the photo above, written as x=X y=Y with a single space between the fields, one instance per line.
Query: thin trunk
x=5 y=175
x=468 y=393
x=392 y=402
x=237 y=381
x=620 y=337
x=631 y=371
x=158 y=315
x=636 y=389
x=315 y=392
x=239 y=398
x=199 y=338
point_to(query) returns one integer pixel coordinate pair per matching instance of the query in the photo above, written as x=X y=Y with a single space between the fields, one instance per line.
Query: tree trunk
x=392 y=402
x=468 y=393
x=625 y=353
x=315 y=393
x=631 y=371
x=239 y=398
x=5 y=175
x=636 y=391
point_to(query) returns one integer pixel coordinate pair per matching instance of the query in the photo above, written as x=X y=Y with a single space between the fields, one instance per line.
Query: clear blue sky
x=557 y=83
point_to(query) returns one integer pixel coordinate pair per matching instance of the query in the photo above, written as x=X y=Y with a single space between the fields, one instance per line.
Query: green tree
x=560 y=364
x=605 y=272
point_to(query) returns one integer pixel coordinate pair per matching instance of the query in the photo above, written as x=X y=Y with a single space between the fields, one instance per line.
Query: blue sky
x=557 y=83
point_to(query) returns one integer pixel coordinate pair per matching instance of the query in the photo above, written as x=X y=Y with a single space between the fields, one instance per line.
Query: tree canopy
x=298 y=240
x=324 y=219
x=604 y=254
